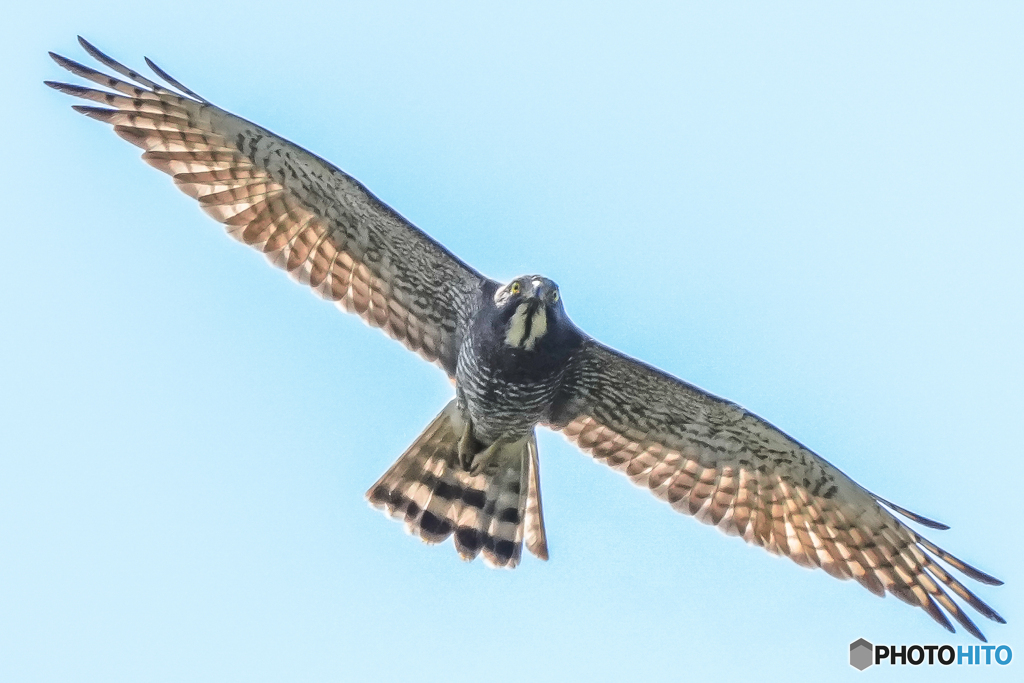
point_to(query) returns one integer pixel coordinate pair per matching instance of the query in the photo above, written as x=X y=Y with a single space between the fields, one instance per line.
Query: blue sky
x=813 y=211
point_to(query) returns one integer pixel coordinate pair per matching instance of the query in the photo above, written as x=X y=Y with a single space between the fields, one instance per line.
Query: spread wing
x=712 y=459
x=308 y=217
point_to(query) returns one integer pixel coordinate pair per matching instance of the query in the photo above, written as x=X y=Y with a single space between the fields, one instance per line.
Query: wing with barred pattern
x=712 y=459
x=308 y=217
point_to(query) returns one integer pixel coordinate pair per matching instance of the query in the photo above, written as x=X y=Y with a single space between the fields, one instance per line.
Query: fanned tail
x=489 y=510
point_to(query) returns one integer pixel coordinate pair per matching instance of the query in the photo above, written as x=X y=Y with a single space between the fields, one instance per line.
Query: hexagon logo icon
x=861 y=654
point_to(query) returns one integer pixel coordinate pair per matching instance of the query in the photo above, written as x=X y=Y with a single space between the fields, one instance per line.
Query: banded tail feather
x=491 y=508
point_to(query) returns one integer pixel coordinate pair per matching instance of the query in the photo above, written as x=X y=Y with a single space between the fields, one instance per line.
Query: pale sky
x=815 y=212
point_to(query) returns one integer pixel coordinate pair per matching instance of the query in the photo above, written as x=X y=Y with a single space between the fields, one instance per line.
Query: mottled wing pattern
x=490 y=512
x=308 y=217
x=712 y=459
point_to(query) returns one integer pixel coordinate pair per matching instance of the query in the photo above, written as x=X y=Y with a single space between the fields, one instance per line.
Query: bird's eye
x=554 y=297
x=514 y=288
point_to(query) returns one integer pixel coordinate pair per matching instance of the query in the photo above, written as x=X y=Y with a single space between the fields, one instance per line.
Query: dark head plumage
x=529 y=313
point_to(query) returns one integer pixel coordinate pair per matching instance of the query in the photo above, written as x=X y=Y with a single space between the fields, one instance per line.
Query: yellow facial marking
x=517 y=327
x=523 y=335
x=537 y=329
x=514 y=288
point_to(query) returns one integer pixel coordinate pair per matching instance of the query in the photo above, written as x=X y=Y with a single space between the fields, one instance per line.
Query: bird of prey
x=517 y=361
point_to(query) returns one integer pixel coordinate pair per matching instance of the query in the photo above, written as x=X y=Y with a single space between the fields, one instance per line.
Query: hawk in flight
x=517 y=361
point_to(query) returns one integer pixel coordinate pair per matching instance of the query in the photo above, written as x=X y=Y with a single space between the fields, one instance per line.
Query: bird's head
x=529 y=307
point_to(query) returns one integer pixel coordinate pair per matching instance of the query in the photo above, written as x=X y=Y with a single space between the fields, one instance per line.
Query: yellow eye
x=514 y=288
x=554 y=297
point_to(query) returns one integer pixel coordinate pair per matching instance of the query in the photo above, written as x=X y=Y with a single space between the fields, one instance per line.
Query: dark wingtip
x=153 y=65
x=60 y=59
x=74 y=67
x=89 y=47
x=970 y=627
x=173 y=81
x=93 y=50
x=98 y=113
x=979 y=575
x=913 y=516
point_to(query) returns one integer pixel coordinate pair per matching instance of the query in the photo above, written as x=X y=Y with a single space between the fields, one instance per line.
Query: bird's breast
x=506 y=390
